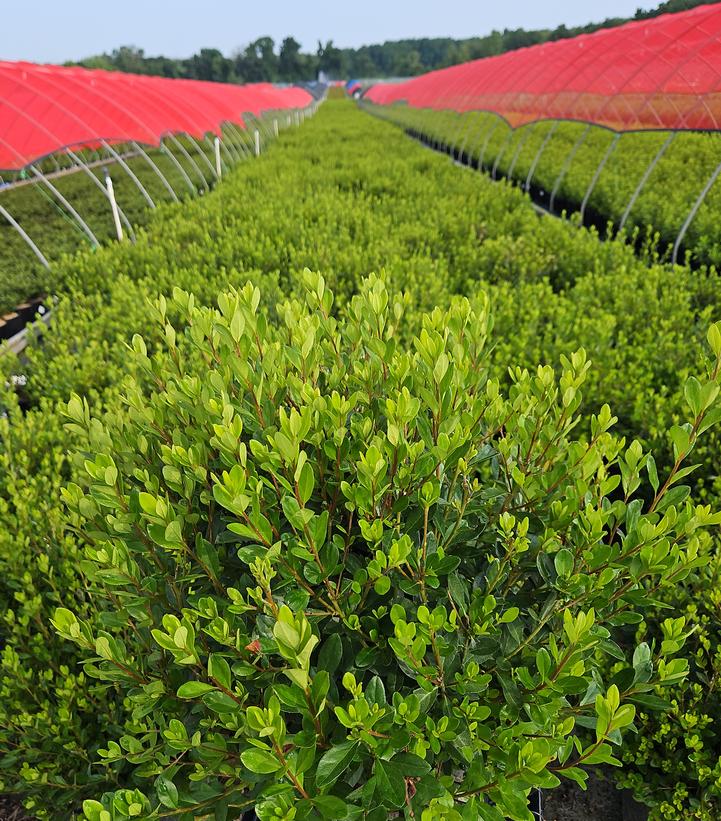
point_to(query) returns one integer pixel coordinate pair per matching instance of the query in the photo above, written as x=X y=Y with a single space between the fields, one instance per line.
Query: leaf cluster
x=340 y=576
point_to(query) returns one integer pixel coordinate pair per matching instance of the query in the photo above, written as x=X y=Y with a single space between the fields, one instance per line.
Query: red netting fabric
x=663 y=73
x=44 y=108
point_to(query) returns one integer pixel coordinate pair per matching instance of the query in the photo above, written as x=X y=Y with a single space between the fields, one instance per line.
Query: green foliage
x=338 y=576
x=540 y=152
x=52 y=722
x=348 y=195
x=673 y=764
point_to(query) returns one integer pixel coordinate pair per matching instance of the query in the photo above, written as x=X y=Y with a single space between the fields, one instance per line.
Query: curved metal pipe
x=567 y=164
x=183 y=173
x=502 y=151
x=537 y=158
x=81 y=222
x=529 y=129
x=644 y=179
x=192 y=162
x=157 y=171
x=239 y=132
x=202 y=154
x=23 y=233
x=128 y=170
x=606 y=157
x=690 y=218
x=482 y=155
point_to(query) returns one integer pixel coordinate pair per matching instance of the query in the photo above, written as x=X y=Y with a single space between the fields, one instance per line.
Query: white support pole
x=265 y=130
x=114 y=206
x=81 y=164
x=275 y=128
x=229 y=157
x=257 y=143
x=218 y=166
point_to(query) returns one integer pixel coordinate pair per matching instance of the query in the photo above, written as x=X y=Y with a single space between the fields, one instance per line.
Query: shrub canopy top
x=663 y=73
x=44 y=108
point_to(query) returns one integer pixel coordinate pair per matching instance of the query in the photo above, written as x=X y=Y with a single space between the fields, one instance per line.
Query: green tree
x=330 y=59
x=258 y=62
x=129 y=58
x=210 y=64
x=291 y=63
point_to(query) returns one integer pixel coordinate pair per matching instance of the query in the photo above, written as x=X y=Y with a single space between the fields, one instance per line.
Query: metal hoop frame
x=692 y=213
x=567 y=164
x=539 y=154
x=24 y=234
x=81 y=222
x=529 y=129
x=232 y=151
x=462 y=132
x=606 y=157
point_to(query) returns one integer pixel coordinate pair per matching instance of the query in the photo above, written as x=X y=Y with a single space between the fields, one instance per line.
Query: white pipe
x=218 y=167
x=114 y=207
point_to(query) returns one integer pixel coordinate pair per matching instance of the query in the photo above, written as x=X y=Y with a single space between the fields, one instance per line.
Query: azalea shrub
x=338 y=575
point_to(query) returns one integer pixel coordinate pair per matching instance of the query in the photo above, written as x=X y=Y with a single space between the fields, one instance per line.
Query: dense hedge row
x=545 y=149
x=347 y=195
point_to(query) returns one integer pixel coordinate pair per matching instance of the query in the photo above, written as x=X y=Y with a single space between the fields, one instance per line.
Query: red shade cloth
x=663 y=73
x=44 y=108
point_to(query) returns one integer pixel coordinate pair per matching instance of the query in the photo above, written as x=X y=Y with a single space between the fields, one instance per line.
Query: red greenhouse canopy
x=45 y=108
x=663 y=73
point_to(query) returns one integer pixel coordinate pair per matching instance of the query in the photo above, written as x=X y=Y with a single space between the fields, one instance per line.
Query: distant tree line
x=262 y=61
x=259 y=61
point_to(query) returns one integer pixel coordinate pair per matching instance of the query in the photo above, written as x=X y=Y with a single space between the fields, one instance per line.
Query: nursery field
x=355 y=487
x=187 y=168
x=560 y=160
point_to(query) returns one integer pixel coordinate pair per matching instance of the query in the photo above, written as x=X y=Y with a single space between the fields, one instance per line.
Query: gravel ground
x=10 y=810
x=601 y=802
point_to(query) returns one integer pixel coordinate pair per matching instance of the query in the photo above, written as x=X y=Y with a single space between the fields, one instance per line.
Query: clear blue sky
x=57 y=30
